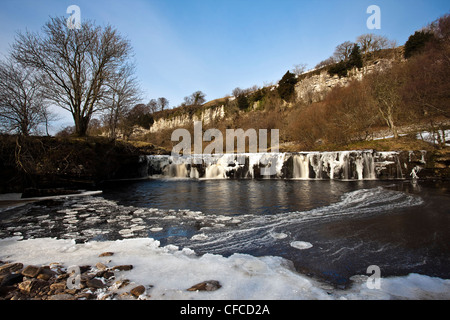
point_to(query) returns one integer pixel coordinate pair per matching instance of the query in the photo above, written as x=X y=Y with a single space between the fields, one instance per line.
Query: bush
x=354 y=61
x=242 y=102
x=339 y=69
x=286 y=86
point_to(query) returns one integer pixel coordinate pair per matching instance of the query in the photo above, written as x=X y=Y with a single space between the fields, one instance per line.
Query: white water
x=343 y=165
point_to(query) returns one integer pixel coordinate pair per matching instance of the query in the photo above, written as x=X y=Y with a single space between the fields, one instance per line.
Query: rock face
x=207 y=115
x=315 y=88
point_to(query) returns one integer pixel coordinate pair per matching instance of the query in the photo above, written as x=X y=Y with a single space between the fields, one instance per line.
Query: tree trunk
x=81 y=126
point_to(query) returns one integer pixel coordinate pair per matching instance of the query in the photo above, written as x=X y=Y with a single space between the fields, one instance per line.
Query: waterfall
x=339 y=165
x=301 y=166
x=194 y=173
x=215 y=171
x=176 y=171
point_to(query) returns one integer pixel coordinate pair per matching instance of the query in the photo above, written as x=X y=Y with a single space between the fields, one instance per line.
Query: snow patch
x=172 y=271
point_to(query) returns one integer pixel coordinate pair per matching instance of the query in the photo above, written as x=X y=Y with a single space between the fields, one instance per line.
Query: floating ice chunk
x=301 y=245
x=125 y=231
x=199 y=237
x=170 y=248
x=127 y=235
x=223 y=218
x=156 y=229
x=278 y=236
x=219 y=225
x=137 y=228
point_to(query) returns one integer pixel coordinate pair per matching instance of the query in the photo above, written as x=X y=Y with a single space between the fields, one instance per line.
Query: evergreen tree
x=416 y=43
x=286 y=86
x=355 y=59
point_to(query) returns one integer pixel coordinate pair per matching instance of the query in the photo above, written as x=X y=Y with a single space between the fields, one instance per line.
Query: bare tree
x=299 y=69
x=76 y=64
x=386 y=92
x=153 y=106
x=123 y=93
x=163 y=103
x=22 y=106
x=343 y=51
x=371 y=42
x=326 y=62
x=195 y=99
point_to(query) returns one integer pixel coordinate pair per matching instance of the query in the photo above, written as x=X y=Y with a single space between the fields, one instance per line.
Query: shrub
x=339 y=69
x=286 y=86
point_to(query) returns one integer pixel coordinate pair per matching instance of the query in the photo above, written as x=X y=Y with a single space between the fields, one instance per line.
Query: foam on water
x=259 y=231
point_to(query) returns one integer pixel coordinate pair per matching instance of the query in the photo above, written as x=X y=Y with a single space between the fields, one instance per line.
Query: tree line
x=88 y=72
x=412 y=90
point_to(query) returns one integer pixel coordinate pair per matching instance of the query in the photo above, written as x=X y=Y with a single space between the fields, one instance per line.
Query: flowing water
x=331 y=214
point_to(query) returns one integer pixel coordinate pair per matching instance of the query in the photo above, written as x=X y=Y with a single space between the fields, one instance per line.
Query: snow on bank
x=243 y=277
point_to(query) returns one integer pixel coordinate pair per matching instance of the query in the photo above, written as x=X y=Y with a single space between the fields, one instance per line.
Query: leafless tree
x=122 y=94
x=163 y=103
x=371 y=42
x=299 y=69
x=326 y=62
x=153 y=106
x=343 y=51
x=386 y=92
x=75 y=63
x=22 y=105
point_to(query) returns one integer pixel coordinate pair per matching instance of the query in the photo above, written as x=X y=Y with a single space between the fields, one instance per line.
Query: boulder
x=31 y=271
x=106 y=254
x=95 y=284
x=46 y=274
x=33 y=286
x=100 y=266
x=123 y=268
x=137 y=291
x=10 y=267
x=210 y=285
x=58 y=286
x=11 y=279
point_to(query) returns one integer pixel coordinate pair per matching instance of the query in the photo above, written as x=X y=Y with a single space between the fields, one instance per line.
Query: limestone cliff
x=312 y=87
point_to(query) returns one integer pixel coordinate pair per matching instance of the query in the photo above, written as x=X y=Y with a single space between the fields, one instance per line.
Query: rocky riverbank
x=58 y=282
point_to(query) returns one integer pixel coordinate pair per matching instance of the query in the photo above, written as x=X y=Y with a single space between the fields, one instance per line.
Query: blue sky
x=182 y=46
